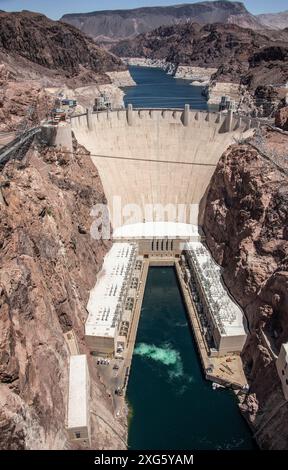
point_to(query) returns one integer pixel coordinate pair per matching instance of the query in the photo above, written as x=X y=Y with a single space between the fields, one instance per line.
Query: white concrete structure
x=107 y=298
x=58 y=136
x=161 y=156
x=226 y=319
x=157 y=230
x=219 y=89
x=282 y=368
x=72 y=342
x=78 y=419
x=158 y=238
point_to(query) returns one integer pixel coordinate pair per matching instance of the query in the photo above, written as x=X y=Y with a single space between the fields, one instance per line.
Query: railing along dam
x=158 y=156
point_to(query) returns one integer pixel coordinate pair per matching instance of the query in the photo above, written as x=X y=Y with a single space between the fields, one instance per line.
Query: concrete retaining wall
x=60 y=136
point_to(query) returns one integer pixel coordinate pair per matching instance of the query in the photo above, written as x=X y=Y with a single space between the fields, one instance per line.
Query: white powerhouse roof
x=78 y=392
x=227 y=314
x=156 y=230
x=107 y=293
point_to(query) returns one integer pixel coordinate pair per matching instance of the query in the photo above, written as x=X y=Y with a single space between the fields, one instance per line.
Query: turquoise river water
x=172 y=405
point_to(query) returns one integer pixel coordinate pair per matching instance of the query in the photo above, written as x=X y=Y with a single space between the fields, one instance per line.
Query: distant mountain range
x=113 y=25
x=274 y=20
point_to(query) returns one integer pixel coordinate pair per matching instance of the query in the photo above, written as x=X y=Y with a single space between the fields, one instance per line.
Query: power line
x=140 y=159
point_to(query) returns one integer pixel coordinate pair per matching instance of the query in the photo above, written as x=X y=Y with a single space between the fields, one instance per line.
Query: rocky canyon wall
x=246 y=225
x=48 y=264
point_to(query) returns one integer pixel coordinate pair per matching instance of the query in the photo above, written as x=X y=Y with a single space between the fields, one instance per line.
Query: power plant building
x=158 y=237
x=107 y=299
x=225 y=319
x=78 y=416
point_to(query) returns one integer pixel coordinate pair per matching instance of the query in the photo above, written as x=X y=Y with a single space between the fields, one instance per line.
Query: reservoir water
x=156 y=89
x=172 y=405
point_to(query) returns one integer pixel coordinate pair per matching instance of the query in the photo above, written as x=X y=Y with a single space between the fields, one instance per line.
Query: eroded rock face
x=241 y=55
x=22 y=101
x=281 y=118
x=274 y=20
x=48 y=264
x=53 y=45
x=37 y=53
x=255 y=60
x=245 y=222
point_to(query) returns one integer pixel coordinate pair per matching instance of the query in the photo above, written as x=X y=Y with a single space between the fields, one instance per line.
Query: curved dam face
x=152 y=158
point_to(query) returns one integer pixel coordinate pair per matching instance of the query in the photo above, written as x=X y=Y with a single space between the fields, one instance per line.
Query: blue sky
x=56 y=8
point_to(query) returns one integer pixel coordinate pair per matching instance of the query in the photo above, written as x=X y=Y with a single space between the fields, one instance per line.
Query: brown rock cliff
x=245 y=222
x=48 y=264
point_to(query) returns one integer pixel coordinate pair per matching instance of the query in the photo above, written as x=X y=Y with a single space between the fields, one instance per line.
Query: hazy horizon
x=57 y=10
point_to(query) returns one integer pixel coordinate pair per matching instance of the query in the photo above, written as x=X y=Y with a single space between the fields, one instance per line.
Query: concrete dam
x=151 y=158
x=159 y=156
